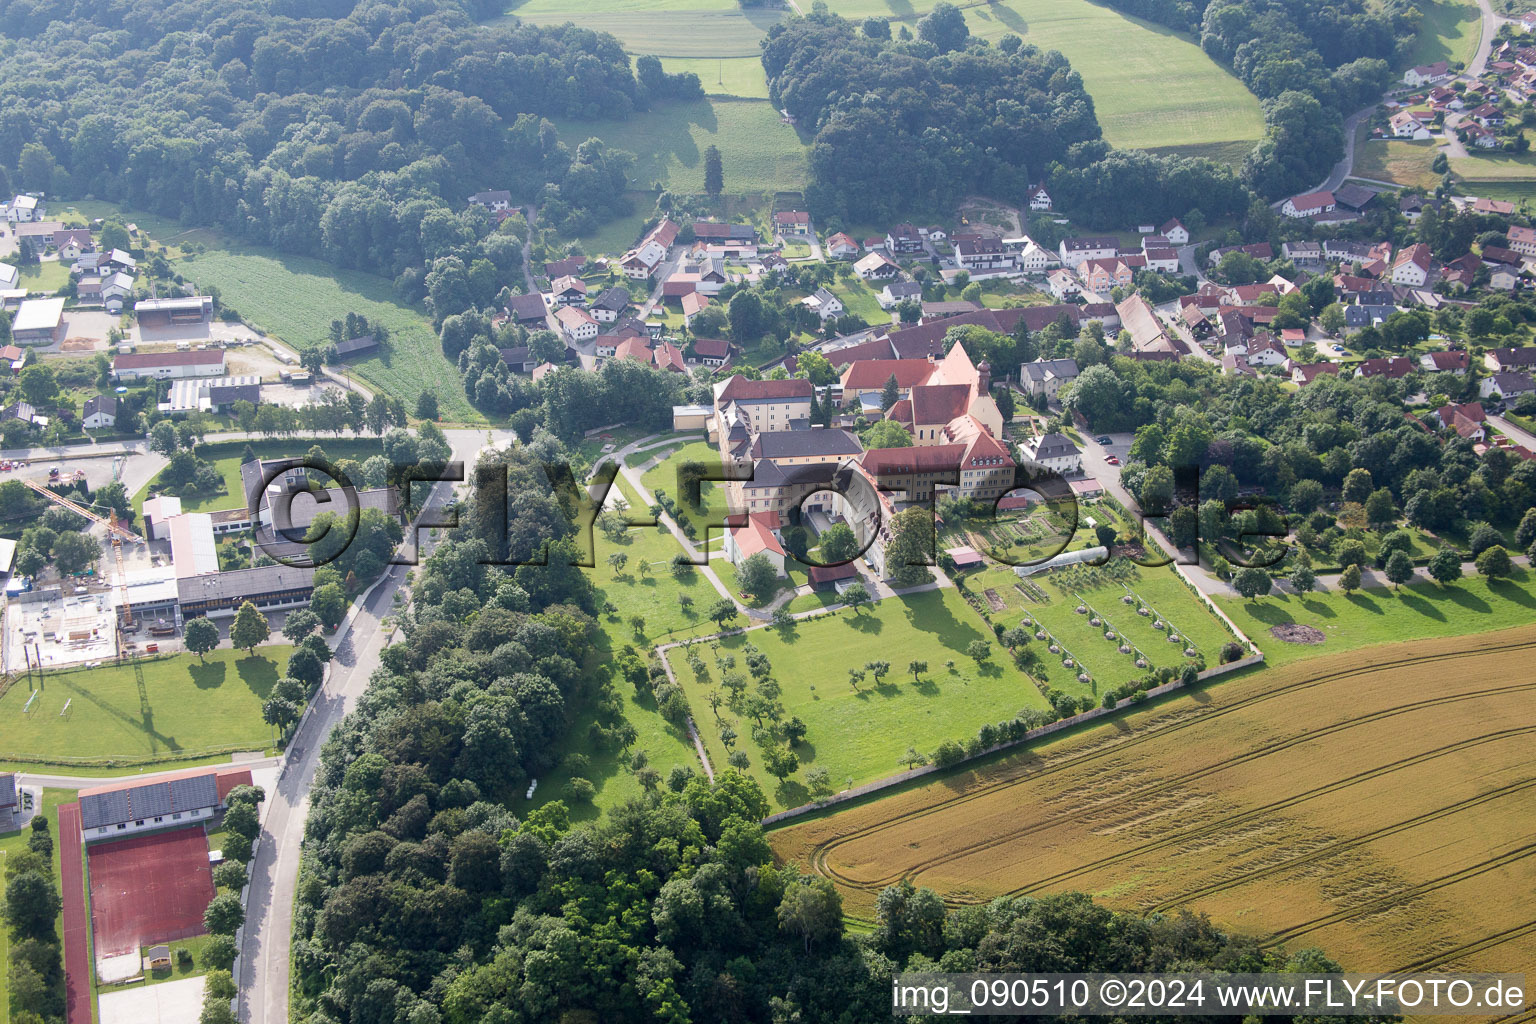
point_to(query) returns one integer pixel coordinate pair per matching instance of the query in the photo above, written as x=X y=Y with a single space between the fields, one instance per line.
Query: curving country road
x=1344 y=168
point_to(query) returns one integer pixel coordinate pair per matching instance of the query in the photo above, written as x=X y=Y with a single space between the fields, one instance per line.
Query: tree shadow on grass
x=258 y=673
x=1464 y=598
x=208 y=677
x=1321 y=609
x=792 y=793
x=1511 y=592
x=1423 y=607
x=1365 y=604
x=864 y=623
x=1268 y=612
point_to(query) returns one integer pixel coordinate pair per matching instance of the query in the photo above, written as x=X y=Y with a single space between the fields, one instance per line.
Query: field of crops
x=666 y=28
x=1197 y=107
x=758 y=151
x=1377 y=805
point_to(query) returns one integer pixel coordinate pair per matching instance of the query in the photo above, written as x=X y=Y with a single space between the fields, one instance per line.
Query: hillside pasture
x=759 y=152
x=1373 y=804
x=1449 y=30
x=296 y=298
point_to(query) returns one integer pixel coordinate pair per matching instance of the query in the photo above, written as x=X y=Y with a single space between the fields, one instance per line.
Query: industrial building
x=39 y=322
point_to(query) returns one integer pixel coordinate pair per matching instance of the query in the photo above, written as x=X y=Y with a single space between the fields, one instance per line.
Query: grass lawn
x=149 y=710
x=1493 y=166
x=759 y=152
x=861 y=736
x=1403 y=161
x=46 y=277
x=616 y=236
x=665 y=746
x=663 y=476
x=1370 y=617
x=226 y=458
x=15 y=842
x=860 y=300
x=654 y=596
x=1449 y=31
x=1513 y=191
x=739 y=77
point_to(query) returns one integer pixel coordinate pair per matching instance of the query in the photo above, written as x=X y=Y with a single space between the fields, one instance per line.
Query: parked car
x=1113 y=460
x=1104 y=440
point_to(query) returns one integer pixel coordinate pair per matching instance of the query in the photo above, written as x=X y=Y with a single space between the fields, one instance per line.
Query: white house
x=1406 y=126
x=111 y=811
x=1055 y=452
x=983 y=254
x=1309 y=205
x=1075 y=251
x=1039 y=198
x=842 y=247
x=494 y=200
x=876 y=266
x=1175 y=232
x=169 y=365
x=1035 y=259
x=100 y=412
x=897 y=292
x=756 y=537
x=26 y=208
x=1063 y=284
x=1506 y=385
x=576 y=323
x=1426 y=74
x=824 y=304
x=1411 y=267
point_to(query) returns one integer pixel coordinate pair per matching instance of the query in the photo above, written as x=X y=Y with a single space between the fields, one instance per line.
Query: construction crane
x=117 y=532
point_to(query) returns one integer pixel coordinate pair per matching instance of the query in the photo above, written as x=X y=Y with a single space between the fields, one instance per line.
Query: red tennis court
x=149 y=889
x=77 y=953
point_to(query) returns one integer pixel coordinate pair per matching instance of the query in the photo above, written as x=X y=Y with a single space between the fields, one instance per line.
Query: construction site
x=147 y=582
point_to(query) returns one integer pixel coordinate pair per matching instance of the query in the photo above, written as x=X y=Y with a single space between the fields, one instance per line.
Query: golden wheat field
x=1379 y=804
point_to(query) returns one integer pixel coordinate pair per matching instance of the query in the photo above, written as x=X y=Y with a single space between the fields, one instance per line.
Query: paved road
x=1491 y=23
x=1521 y=437
x=268 y=932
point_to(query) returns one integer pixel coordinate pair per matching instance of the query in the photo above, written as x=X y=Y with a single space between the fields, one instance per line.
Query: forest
x=931 y=119
x=423 y=899
x=352 y=134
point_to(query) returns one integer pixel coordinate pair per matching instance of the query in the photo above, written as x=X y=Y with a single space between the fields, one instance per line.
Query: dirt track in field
x=1378 y=804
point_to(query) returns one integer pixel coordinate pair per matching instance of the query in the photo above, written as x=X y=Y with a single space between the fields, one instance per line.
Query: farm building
x=194 y=309
x=364 y=345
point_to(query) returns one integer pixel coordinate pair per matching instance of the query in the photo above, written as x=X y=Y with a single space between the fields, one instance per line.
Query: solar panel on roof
x=150 y=801
x=104 y=809
x=199 y=791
